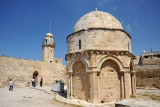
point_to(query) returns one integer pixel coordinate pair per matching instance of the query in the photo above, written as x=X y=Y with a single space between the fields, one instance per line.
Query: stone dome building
x=99 y=60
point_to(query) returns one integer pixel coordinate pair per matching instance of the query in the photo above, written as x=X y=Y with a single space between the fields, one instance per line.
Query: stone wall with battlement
x=21 y=71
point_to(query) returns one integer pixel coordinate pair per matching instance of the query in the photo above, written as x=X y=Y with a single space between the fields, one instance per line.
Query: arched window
x=79 y=44
x=46 y=41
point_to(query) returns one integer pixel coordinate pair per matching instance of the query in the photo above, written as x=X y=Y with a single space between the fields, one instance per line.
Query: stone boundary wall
x=147 y=71
x=149 y=61
x=148 y=75
x=21 y=71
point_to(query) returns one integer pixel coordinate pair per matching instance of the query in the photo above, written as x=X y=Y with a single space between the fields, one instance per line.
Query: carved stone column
x=98 y=87
x=133 y=84
x=93 y=87
x=122 y=85
x=68 y=86
x=71 y=85
x=127 y=84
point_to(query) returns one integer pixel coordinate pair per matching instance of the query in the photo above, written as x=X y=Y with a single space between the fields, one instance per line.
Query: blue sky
x=24 y=23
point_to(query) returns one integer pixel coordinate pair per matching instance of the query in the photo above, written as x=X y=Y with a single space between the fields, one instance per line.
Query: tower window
x=46 y=41
x=50 y=61
x=79 y=44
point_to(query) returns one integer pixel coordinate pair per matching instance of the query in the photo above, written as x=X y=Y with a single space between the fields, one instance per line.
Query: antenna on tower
x=50 y=26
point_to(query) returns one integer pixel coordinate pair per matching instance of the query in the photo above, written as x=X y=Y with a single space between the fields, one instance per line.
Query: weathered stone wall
x=136 y=60
x=96 y=58
x=21 y=71
x=58 y=60
x=148 y=75
x=80 y=82
x=48 y=53
x=147 y=67
x=150 y=61
x=99 y=39
x=109 y=75
x=109 y=81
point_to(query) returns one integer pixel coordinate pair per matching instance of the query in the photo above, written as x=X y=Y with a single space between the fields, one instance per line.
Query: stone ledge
x=73 y=101
x=81 y=102
x=89 y=52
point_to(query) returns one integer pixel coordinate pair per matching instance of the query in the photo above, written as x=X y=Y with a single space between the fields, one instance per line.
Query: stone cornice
x=49 y=36
x=105 y=52
x=109 y=29
x=49 y=46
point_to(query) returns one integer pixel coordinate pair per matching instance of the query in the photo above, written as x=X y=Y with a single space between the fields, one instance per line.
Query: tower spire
x=50 y=26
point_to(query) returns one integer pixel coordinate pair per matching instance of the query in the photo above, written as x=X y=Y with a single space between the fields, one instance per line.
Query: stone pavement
x=60 y=97
x=140 y=101
x=44 y=88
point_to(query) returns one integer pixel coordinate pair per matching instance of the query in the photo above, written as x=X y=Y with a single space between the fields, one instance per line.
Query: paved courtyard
x=29 y=97
x=43 y=97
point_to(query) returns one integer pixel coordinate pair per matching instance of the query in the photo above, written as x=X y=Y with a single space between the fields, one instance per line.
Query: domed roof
x=97 y=19
x=49 y=34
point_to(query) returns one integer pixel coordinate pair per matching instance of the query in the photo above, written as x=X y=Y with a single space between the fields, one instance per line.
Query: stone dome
x=97 y=19
x=49 y=34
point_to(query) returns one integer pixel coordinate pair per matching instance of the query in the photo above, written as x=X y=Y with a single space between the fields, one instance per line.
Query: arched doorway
x=35 y=76
x=80 y=81
x=109 y=81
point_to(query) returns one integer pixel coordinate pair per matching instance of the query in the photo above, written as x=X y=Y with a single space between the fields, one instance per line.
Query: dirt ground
x=148 y=97
x=28 y=97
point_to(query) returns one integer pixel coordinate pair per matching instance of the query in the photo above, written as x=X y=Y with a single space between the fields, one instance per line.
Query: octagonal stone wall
x=98 y=39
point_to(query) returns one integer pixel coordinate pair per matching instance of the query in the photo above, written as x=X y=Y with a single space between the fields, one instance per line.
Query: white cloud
x=128 y=27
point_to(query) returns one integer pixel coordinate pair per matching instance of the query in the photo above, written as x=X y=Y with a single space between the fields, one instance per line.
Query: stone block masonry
x=99 y=60
x=148 y=75
x=21 y=71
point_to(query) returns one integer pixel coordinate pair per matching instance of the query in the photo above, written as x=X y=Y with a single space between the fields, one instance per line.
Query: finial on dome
x=95 y=9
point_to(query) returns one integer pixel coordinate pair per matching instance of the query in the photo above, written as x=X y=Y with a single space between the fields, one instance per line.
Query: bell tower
x=48 y=48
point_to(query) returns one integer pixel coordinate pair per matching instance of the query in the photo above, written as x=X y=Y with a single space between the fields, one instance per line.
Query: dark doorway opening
x=35 y=74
